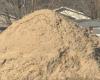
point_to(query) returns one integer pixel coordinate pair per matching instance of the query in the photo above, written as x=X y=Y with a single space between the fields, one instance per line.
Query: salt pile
x=45 y=46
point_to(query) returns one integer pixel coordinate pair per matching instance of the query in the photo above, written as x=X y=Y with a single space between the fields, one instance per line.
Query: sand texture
x=45 y=46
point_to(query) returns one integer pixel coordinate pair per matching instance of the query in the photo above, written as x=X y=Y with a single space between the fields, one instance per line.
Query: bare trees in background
x=98 y=8
x=16 y=9
x=93 y=9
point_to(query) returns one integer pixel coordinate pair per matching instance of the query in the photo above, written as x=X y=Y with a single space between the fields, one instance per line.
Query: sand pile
x=45 y=46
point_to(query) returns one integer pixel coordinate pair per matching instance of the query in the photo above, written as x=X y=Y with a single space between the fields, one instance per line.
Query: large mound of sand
x=45 y=46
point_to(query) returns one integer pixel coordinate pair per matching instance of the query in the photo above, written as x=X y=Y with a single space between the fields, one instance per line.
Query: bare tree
x=19 y=8
x=93 y=9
